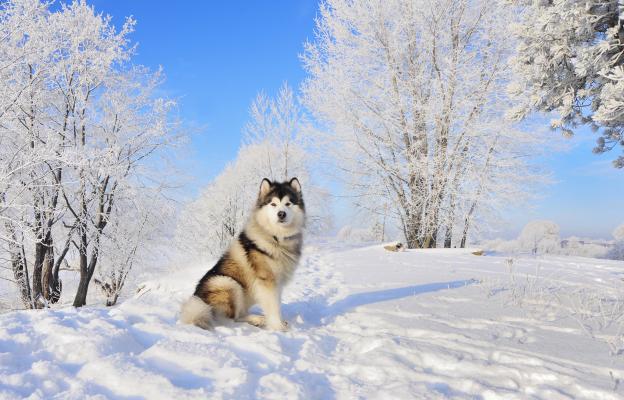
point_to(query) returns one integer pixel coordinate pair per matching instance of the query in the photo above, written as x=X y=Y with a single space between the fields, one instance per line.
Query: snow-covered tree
x=81 y=125
x=207 y=225
x=414 y=95
x=571 y=61
x=123 y=244
x=278 y=124
x=273 y=148
x=540 y=237
x=30 y=145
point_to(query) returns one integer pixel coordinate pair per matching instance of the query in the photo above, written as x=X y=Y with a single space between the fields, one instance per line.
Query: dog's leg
x=269 y=300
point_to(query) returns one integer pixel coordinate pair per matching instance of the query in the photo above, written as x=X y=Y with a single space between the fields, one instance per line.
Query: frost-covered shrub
x=500 y=245
x=540 y=237
x=617 y=251
x=618 y=233
x=357 y=235
x=575 y=246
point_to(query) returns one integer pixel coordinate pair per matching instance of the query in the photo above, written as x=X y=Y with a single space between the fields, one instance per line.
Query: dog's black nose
x=281 y=214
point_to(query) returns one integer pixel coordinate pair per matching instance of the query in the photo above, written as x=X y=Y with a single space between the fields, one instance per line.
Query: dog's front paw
x=277 y=326
x=255 y=320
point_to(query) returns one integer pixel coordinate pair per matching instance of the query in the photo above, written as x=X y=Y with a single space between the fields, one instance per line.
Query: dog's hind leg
x=227 y=301
x=224 y=295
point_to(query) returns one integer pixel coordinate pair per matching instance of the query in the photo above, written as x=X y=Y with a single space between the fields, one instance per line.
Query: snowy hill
x=364 y=323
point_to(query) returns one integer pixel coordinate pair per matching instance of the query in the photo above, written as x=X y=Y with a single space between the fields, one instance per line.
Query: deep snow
x=364 y=323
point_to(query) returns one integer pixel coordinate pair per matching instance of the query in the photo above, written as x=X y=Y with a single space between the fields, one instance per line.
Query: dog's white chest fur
x=285 y=254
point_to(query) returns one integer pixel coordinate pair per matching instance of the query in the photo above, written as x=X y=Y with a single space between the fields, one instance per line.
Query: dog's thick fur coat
x=256 y=266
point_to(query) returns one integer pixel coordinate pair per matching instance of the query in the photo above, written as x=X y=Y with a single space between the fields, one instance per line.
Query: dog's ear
x=294 y=183
x=265 y=186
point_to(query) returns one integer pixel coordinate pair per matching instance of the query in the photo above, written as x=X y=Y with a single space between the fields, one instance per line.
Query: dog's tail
x=195 y=311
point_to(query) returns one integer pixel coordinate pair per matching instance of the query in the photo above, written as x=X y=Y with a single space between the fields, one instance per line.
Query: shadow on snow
x=321 y=314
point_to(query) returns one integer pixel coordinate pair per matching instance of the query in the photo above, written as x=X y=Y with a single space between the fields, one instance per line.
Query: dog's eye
x=273 y=205
x=288 y=204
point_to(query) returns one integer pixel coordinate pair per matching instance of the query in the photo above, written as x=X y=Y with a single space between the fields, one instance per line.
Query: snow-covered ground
x=364 y=323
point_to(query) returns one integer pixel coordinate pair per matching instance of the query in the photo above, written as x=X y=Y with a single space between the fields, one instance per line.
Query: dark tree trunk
x=411 y=230
x=466 y=228
x=37 y=278
x=448 y=237
x=412 y=240
x=463 y=241
x=81 y=294
x=88 y=263
x=20 y=272
x=44 y=283
x=47 y=271
x=19 y=265
x=430 y=241
x=87 y=268
x=83 y=286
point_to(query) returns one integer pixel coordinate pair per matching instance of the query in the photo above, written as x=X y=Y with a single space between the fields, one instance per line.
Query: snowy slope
x=365 y=323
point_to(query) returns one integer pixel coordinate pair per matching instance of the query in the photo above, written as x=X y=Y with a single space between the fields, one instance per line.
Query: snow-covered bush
x=540 y=237
x=571 y=246
x=618 y=233
x=350 y=234
x=500 y=245
x=617 y=251
x=584 y=247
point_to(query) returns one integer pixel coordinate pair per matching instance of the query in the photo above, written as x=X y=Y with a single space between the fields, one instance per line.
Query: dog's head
x=280 y=206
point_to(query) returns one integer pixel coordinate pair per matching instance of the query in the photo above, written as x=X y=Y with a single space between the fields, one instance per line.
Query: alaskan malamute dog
x=257 y=265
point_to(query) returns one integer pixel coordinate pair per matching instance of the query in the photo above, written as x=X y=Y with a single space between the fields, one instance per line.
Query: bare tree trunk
x=83 y=286
x=37 y=287
x=81 y=293
x=20 y=272
x=19 y=264
x=448 y=236
x=429 y=242
x=411 y=229
x=448 y=232
x=56 y=284
x=467 y=226
x=47 y=275
x=473 y=207
x=88 y=264
x=412 y=240
x=43 y=276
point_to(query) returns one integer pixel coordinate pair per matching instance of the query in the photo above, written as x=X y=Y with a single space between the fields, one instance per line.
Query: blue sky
x=218 y=55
